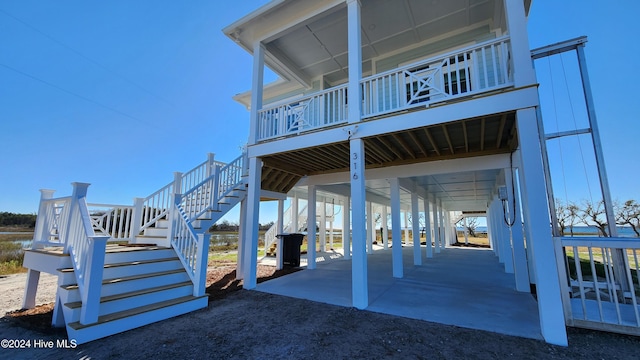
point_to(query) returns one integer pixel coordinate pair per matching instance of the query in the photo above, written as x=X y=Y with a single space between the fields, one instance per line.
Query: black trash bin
x=291 y=249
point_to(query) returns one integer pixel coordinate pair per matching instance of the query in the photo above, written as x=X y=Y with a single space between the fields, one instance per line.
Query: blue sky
x=120 y=94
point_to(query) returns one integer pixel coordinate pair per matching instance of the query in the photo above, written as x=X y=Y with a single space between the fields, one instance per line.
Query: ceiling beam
x=503 y=120
x=418 y=143
x=404 y=145
x=446 y=135
x=432 y=141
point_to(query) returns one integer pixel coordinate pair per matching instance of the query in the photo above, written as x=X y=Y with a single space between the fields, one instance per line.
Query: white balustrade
x=115 y=221
x=325 y=108
x=469 y=71
x=192 y=248
x=52 y=214
x=600 y=279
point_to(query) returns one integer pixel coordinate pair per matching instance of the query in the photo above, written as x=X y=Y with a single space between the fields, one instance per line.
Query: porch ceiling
x=308 y=38
x=319 y=45
x=488 y=135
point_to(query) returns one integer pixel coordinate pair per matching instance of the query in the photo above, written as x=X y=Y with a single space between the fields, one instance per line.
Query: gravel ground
x=240 y=324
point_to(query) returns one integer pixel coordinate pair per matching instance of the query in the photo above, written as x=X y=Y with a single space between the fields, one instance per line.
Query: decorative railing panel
x=465 y=72
x=600 y=280
x=52 y=216
x=322 y=109
x=115 y=221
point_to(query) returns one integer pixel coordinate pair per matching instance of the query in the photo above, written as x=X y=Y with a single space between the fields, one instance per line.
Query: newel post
x=79 y=192
x=136 y=221
x=93 y=279
x=202 y=258
x=211 y=163
x=175 y=200
x=216 y=187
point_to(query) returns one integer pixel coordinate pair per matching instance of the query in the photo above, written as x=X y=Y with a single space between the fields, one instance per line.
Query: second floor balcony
x=454 y=75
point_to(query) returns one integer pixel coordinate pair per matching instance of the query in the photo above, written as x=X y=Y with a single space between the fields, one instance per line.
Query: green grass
x=11 y=256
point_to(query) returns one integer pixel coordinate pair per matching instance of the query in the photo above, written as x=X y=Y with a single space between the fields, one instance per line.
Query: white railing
x=230 y=176
x=156 y=205
x=325 y=108
x=600 y=280
x=206 y=195
x=192 y=248
x=469 y=71
x=115 y=221
x=52 y=214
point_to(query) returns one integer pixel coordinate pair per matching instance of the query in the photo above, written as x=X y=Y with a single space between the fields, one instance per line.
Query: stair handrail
x=87 y=253
x=206 y=195
x=230 y=175
x=156 y=205
x=191 y=248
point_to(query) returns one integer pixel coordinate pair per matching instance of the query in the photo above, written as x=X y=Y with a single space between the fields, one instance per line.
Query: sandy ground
x=240 y=324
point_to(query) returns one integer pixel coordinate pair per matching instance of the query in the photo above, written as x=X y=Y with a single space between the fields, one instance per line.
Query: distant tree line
x=21 y=220
x=225 y=225
x=587 y=213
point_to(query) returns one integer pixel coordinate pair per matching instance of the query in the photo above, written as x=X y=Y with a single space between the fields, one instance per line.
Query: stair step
x=131 y=312
x=130 y=319
x=125 y=284
x=136 y=267
x=104 y=299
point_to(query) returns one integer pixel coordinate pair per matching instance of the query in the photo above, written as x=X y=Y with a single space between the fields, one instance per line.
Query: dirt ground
x=241 y=324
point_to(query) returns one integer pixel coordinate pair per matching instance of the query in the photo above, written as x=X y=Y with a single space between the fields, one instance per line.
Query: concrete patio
x=459 y=286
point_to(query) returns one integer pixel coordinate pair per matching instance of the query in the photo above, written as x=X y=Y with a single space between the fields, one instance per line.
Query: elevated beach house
x=382 y=107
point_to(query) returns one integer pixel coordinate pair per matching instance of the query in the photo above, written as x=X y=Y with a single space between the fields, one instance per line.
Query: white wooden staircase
x=158 y=269
x=140 y=285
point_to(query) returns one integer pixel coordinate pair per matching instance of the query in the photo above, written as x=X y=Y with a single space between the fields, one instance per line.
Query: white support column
x=406 y=227
x=527 y=230
x=537 y=216
x=436 y=225
x=385 y=228
x=322 y=229
x=415 y=223
x=372 y=223
x=427 y=226
x=506 y=237
x=442 y=228
x=346 y=228
x=280 y=230
x=465 y=232
x=242 y=241
x=294 y=214
x=517 y=241
x=369 y=230
x=257 y=85
x=523 y=73
x=359 y=282
x=252 y=224
x=396 y=252
x=331 y=234
x=311 y=227
x=492 y=244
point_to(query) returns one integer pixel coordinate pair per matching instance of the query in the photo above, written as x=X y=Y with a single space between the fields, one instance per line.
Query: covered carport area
x=460 y=286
